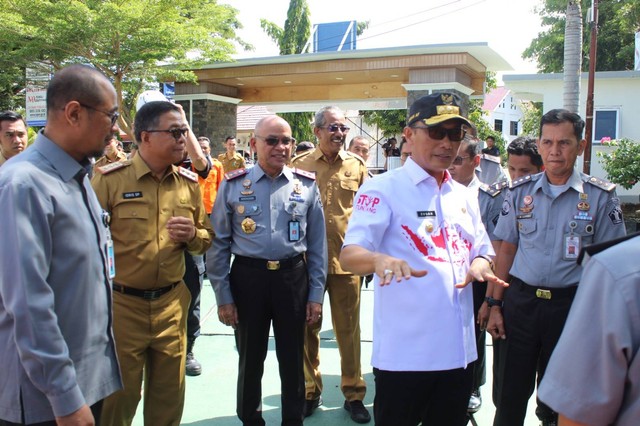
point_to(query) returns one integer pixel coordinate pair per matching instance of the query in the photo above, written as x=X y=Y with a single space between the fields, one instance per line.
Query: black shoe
x=310 y=406
x=475 y=402
x=193 y=366
x=359 y=413
x=550 y=422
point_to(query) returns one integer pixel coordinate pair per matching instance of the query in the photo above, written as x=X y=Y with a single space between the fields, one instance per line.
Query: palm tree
x=572 y=56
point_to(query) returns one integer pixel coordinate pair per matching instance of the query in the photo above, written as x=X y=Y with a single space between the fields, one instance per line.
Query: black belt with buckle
x=546 y=293
x=145 y=294
x=270 y=265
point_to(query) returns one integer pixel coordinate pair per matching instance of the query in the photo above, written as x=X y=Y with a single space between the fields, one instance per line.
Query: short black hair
x=491 y=137
x=559 y=116
x=11 y=116
x=228 y=138
x=148 y=117
x=75 y=83
x=525 y=145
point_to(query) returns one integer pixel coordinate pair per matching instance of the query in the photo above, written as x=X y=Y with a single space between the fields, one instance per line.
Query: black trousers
x=263 y=297
x=533 y=326
x=96 y=410
x=479 y=366
x=193 y=277
x=404 y=398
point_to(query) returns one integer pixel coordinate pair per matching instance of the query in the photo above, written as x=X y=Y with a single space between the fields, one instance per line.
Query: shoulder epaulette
x=303 y=155
x=600 y=183
x=235 y=173
x=309 y=175
x=494 y=189
x=357 y=157
x=492 y=158
x=521 y=181
x=112 y=167
x=188 y=174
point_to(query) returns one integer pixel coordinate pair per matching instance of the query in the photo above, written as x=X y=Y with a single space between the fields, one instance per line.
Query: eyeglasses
x=177 y=133
x=458 y=160
x=273 y=141
x=334 y=128
x=112 y=115
x=438 y=133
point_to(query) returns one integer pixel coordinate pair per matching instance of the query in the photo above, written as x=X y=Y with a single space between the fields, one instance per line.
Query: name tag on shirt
x=294 y=230
x=427 y=213
x=129 y=195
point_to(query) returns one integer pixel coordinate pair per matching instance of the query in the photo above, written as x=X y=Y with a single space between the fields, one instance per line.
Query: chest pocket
x=349 y=185
x=133 y=222
x=527 y=231
x=584 y=229
x=183 y=212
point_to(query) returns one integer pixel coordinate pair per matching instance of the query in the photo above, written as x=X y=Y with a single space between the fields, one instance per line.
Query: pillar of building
x=213 y=115
x=427 y=81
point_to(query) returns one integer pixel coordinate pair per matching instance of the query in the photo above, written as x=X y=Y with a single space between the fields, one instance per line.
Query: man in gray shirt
x=58 y=355
x=270 y=217
x=593 y=376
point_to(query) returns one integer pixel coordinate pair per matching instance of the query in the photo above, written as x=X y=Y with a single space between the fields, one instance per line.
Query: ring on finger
x=388 y=271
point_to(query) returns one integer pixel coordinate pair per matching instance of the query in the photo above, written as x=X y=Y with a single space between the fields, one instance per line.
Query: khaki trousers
x=151 y=338
x=344 y=298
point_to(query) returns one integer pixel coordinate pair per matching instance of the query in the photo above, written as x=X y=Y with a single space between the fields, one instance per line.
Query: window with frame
x=497 y=125
x=605 y=124
x=513 y=128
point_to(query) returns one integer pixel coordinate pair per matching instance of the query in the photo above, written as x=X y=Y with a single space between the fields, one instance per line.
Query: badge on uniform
x=294 y=230
x=572 y=243
x=246 y=184
x=248 y=225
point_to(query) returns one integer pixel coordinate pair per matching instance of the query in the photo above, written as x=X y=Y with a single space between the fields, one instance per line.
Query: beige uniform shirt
x=2 y=158
x=140 y=206
x=338 y=183
x=233 y=163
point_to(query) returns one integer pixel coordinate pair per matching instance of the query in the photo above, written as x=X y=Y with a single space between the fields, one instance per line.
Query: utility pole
x=593 y=50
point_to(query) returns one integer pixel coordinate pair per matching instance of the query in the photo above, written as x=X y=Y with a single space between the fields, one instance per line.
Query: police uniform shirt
x=594 y=373
x=140 y=206
x=490 y=198
x=550 y=231
x=253 y=216
x=422 y=324
x=338 y=183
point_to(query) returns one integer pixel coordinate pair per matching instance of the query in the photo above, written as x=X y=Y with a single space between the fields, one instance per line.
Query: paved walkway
x=211 y=397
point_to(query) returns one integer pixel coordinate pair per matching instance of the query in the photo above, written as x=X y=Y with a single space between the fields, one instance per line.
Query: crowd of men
x=101 y=267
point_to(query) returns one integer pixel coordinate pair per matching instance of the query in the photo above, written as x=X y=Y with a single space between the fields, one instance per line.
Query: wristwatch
x=493 y=302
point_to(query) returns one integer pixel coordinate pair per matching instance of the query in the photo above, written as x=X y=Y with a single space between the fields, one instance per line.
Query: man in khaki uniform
x=112 y=154
x=231 y=160
x=157 y=213
x=339 y=174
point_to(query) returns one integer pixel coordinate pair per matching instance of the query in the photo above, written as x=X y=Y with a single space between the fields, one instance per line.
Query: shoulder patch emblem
x=235 y=173
x=309 y=175
x=601 y=183
x=112 y=167
x=188 y=174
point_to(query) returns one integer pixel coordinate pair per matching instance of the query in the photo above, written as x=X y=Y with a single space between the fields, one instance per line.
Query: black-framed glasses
x=112 y=115
x=335 y=127
x=177 y=132
x=273 y=141
x=438 y=133
x=458 y=160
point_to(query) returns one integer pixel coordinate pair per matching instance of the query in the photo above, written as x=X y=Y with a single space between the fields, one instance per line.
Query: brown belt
x=270 y=265
x=145 y=294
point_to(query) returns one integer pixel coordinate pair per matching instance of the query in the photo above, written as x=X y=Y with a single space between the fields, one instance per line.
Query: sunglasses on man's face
x=335 y=127
x=177 y=132
x=273 y=141
x=438 y=133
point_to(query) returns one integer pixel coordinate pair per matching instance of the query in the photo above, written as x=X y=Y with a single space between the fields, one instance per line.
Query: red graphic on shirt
x=434 y=245
x=366 y=203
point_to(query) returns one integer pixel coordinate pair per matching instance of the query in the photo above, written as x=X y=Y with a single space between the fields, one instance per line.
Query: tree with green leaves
x=291 y=40
x=130 y=41
x=618 y=20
